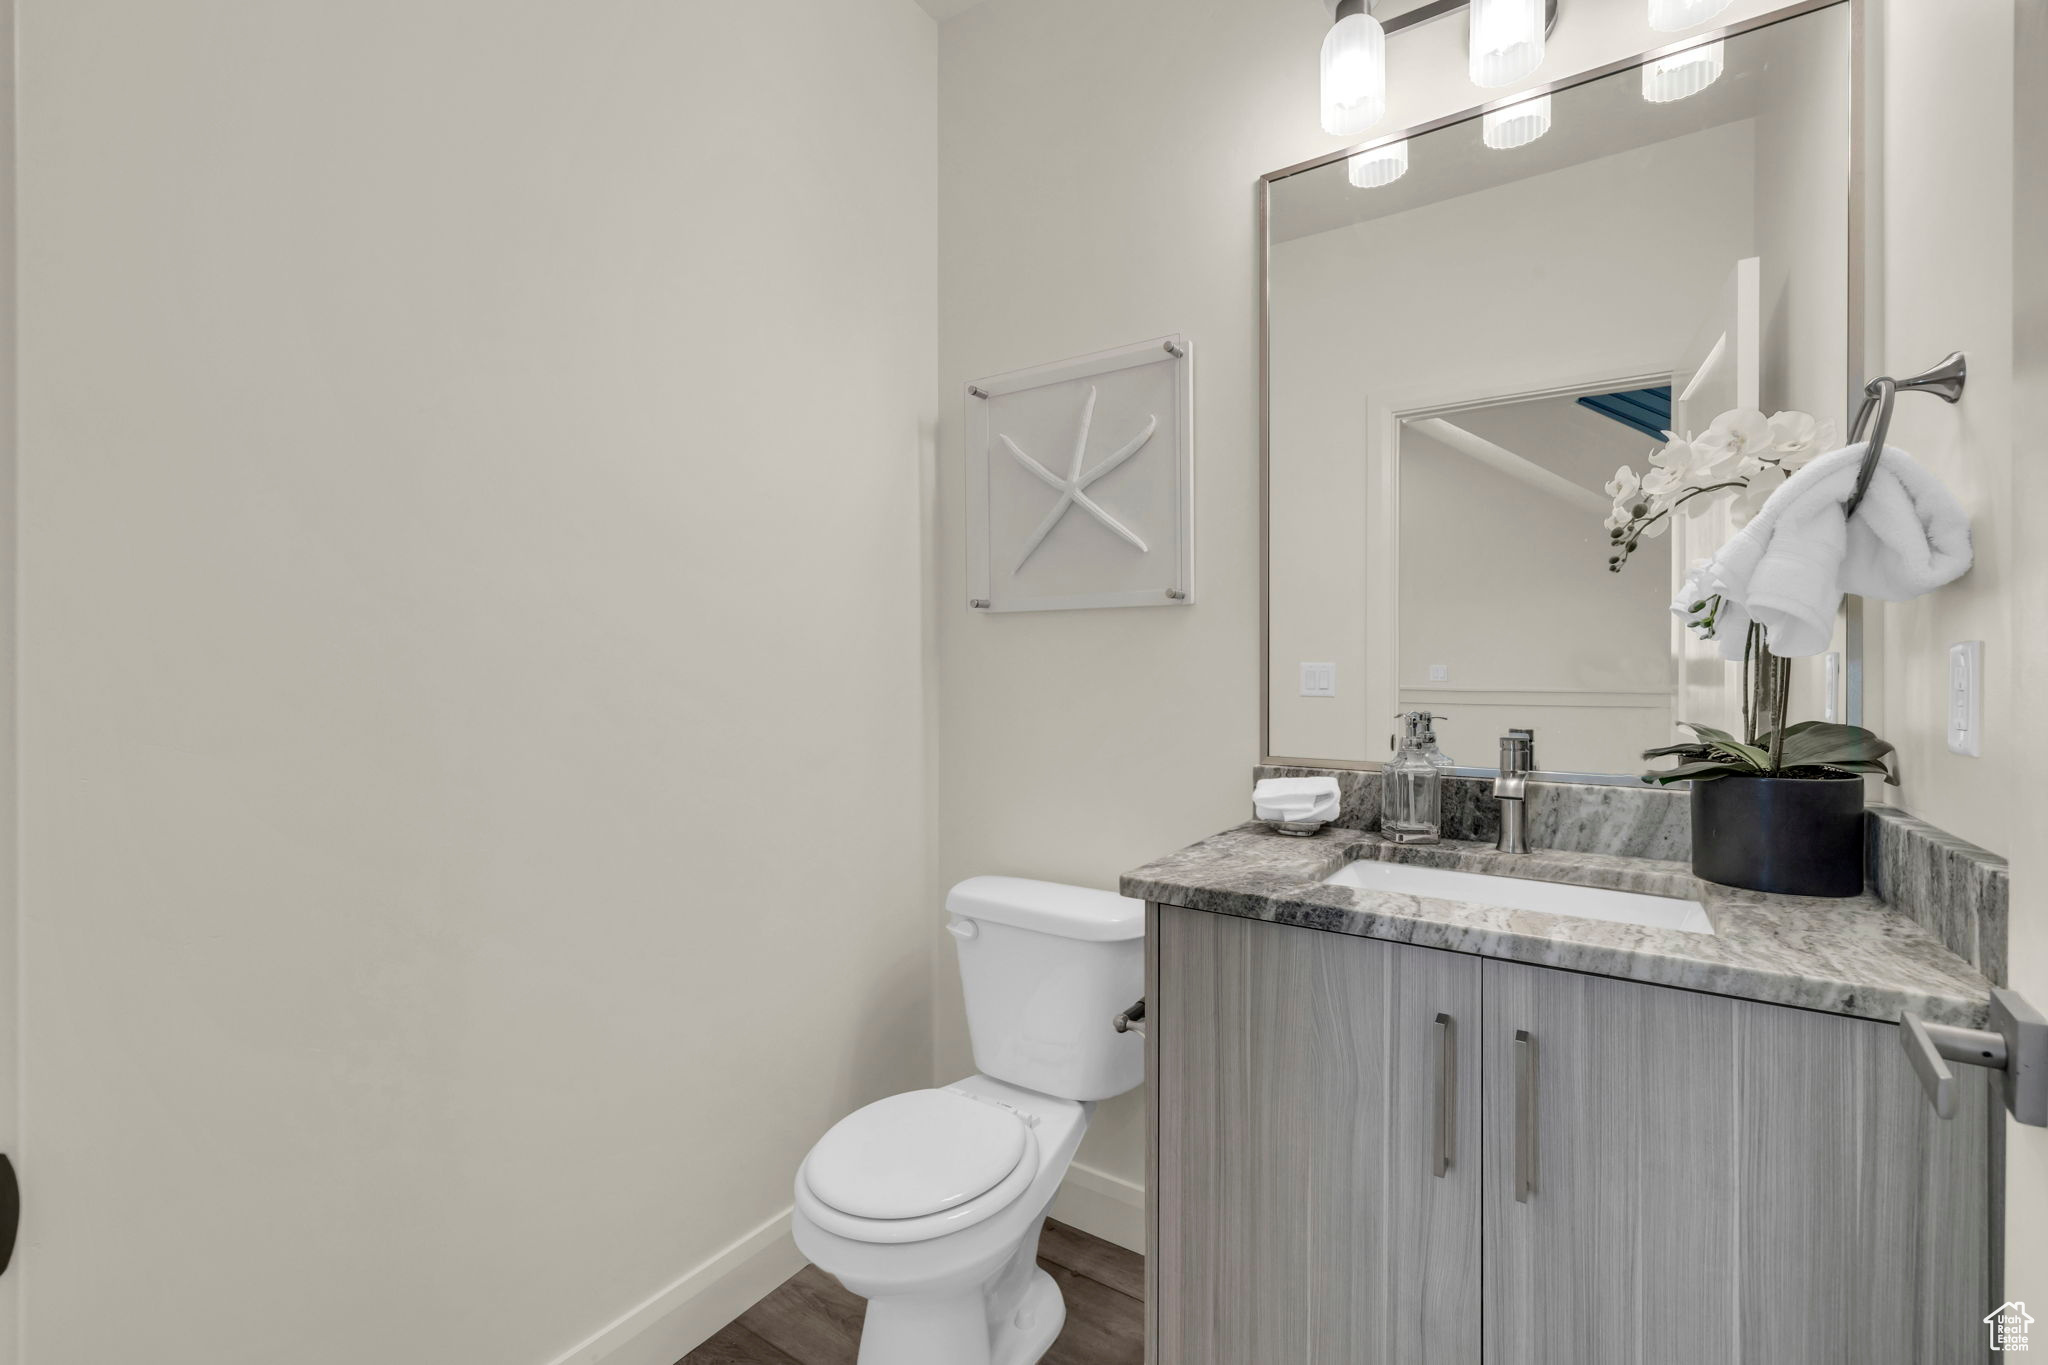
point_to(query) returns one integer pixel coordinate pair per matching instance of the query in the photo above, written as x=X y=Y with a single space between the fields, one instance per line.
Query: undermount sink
x=1516 y=893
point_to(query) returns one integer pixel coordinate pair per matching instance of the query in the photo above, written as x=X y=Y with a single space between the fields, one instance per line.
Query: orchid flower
x=1742 y=453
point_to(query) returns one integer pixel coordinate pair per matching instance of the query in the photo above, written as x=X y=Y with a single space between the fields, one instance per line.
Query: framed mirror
x=1471 y=327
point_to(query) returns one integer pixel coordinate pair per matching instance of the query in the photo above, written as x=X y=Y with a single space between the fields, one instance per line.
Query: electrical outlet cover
x=1966 y=699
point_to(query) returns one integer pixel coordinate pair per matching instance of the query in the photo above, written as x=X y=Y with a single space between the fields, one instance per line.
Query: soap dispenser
x=1430 y=750
x=1412 y=788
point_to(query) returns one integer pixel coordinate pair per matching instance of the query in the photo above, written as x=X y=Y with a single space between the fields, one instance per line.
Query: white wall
x=2026 y=1191
x=1097 y=164
x=10 y=1131
x=473 y=697
x=1946 y=258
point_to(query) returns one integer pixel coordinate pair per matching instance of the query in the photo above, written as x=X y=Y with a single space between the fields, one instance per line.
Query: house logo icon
x=2008 y=1324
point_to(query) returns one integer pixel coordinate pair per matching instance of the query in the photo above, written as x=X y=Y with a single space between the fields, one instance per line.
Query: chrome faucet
x=1517 y=757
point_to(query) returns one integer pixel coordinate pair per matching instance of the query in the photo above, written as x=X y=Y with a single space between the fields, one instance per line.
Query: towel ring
x=1945 y=381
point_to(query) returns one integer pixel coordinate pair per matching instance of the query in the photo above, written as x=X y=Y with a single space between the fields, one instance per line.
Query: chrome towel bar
x=1945 y=381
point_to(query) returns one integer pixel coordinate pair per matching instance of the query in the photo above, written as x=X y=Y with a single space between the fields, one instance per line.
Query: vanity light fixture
x=1379 y=167
x=1683 y=73
x=1672 y=16
x=1354 y=71
x=1506 y=46
x=1507 y=41
x=1518 y=125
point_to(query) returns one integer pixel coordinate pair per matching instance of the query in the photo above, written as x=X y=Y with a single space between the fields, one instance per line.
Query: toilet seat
x=917 y=1166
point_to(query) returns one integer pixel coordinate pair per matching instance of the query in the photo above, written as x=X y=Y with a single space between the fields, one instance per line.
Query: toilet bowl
x=961 y=1285
x=929 y=1204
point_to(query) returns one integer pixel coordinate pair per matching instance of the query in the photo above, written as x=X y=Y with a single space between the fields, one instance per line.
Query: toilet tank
x=1046 y=968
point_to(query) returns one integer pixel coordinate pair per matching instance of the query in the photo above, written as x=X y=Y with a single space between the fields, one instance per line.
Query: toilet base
x=1031 y=1331
x=953 y=1329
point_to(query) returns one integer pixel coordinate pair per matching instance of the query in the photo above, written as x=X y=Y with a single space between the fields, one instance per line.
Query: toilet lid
x=915 y=1154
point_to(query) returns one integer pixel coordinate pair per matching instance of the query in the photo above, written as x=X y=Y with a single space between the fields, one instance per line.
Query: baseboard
x=677 y=1319
x=1103 y=1205
x=681 y=1317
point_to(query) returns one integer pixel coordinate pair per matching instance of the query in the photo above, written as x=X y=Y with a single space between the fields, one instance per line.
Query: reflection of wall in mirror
x=1534 y=632
x=1597 y=269
x=1802 y=234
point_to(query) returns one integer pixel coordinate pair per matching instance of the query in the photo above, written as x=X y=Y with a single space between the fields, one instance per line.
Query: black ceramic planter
x=1794 y=836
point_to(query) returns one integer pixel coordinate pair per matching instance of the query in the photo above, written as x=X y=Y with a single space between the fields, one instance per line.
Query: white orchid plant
x=1743 y=453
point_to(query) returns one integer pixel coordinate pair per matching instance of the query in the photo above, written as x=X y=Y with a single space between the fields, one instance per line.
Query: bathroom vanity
x=1390 y=1127
x=1439 y=1104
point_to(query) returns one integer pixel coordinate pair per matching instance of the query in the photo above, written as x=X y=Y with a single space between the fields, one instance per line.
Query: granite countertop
x=1855 y=957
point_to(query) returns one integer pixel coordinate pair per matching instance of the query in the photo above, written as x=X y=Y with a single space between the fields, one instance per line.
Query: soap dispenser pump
x=1411 y=809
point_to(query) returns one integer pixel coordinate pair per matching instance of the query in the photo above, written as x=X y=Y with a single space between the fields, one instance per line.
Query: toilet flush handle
x=963 y=929
x=1131 y=1020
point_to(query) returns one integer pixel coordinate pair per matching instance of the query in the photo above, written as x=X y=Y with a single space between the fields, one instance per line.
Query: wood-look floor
x=810 y=1320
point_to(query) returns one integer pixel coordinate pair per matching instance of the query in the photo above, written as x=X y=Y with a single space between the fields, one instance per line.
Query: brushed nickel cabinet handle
x=1446 y=1092
x=1525 y=1116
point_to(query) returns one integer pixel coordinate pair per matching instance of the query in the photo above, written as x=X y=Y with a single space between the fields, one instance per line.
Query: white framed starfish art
x=1080 y=482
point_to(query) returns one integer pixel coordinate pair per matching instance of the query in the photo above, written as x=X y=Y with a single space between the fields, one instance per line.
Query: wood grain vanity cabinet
x=1377 y=1154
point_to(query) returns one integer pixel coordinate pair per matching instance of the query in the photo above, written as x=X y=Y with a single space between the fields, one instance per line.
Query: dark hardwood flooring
x=810 y=1320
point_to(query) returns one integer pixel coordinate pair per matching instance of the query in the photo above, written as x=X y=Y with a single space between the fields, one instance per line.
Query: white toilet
x=928 y=1204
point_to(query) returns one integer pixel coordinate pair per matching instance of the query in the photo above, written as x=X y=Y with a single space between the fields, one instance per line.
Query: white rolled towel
x=1296 y=800
x=1789 y=568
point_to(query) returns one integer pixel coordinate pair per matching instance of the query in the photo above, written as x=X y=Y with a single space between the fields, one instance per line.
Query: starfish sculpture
x=1073 y=489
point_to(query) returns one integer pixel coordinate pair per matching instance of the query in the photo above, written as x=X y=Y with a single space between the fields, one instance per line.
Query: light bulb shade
x=1669 y=16
x=1507 y=41
x=1354 y=75
x=1380 y=166
x=1685 y=73
x=1518 y=125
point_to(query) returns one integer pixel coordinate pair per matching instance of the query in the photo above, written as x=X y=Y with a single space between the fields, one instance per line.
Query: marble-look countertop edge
x=1857 y=957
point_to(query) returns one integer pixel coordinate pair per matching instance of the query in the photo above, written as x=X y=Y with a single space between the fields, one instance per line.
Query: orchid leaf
x=1867 y=767
x=1823 y=742
x=1709 y=733
x=1705 y=771
x=1690 y=750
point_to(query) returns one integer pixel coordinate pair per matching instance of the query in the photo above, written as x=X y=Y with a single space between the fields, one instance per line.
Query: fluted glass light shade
x=1685 y=73
x=1507 y=41
x=1354 y=75
x=1518 y=125
x=1670 y=16
x=1380 y=166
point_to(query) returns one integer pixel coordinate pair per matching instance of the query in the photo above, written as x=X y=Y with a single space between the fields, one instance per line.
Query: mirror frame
x=1857 y=688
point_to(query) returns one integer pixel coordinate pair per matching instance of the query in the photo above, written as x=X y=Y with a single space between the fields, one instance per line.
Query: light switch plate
x=1966 y=698
x=1439 y=672
x=1319 y=680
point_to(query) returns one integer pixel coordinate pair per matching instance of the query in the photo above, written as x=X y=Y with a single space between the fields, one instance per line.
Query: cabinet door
x=1680 y=1177
x=1303 y=1092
